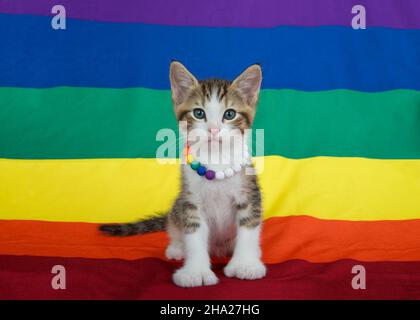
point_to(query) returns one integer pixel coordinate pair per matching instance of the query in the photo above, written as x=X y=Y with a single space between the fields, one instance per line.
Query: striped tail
x=152 y=224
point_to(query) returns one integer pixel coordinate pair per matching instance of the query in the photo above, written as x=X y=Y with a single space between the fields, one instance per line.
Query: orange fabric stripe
x=284 y=238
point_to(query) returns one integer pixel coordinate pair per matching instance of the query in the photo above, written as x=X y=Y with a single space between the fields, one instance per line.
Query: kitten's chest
x=215 y=198
x=208 y=191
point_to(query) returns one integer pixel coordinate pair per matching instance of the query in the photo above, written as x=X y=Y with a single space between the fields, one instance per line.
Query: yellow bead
x=190 y=159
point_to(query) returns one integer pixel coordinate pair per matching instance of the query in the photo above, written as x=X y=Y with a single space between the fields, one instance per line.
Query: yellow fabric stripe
x=118 y=190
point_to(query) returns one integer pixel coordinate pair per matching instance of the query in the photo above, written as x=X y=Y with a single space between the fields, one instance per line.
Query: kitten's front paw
x=188 y=277
x=246 y=270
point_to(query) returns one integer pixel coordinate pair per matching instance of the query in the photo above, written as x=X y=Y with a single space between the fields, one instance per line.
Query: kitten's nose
x=214 y=131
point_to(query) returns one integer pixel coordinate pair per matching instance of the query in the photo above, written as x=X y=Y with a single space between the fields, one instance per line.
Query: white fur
x=246 y=261
x=218 y=233
x=196 y=270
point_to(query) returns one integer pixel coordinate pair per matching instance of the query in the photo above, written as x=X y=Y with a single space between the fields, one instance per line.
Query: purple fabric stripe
x=232 y=13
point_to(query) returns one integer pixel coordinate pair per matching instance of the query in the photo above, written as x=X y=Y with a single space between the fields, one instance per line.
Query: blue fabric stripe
x=97 y=54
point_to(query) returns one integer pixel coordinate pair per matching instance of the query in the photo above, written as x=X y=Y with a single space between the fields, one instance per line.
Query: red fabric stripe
x=30 y=277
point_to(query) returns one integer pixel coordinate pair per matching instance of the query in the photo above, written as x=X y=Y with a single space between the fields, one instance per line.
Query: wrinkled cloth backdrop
x=80 y=109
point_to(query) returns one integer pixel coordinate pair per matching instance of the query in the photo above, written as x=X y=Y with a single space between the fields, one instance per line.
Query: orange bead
x=187 y=151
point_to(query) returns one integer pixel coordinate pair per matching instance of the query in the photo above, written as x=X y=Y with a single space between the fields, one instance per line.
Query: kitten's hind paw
x=188 y=277
x=174 y=252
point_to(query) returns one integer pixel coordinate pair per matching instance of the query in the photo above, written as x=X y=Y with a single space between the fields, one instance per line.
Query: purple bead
x=210 y=174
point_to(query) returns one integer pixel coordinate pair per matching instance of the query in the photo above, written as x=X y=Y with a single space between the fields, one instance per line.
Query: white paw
x=247 y=270
x=174 y=252
x=188 y=277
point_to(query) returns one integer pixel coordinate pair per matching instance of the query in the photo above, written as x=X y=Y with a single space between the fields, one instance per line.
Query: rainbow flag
x=80 y=109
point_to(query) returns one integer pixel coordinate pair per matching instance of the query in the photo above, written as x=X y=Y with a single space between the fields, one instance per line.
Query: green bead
x=194 y=165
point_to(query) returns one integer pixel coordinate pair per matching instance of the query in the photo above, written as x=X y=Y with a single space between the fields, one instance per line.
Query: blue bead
x=201 y=170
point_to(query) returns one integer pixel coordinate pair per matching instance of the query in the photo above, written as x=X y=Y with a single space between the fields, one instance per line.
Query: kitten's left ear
x=248 y=84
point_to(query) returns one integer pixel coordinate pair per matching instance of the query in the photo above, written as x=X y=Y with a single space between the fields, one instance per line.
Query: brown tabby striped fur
x=183 y=212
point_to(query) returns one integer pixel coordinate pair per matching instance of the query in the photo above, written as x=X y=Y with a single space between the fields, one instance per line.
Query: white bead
x=237 y=167
x=229 y=172
x=220 y=175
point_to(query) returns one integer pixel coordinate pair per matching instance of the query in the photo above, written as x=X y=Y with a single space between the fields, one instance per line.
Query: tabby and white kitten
x=211 y=217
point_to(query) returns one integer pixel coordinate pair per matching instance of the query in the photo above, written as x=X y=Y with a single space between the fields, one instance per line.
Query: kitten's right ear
x=182 y=82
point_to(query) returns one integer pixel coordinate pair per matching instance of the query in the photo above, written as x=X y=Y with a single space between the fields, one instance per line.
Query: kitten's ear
x=182 y=82
x=248 y=84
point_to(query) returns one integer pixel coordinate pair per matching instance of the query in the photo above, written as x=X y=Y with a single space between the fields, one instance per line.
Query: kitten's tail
x=151 y=224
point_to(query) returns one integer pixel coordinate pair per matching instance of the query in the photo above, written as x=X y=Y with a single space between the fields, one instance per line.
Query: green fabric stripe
x=68 y=122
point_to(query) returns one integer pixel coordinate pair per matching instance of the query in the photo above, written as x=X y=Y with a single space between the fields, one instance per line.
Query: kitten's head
x=215 y=107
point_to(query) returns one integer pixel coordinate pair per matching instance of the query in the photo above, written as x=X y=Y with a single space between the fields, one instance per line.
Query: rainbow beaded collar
x=211 y=174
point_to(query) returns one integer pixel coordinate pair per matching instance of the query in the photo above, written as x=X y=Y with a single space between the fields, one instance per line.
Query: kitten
x=217 y=213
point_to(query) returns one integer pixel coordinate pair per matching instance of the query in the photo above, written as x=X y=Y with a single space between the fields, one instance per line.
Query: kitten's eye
x=230 y=114
x=199 y=113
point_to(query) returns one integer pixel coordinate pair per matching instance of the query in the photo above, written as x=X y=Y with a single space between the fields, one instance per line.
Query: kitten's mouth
x=214 y=139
